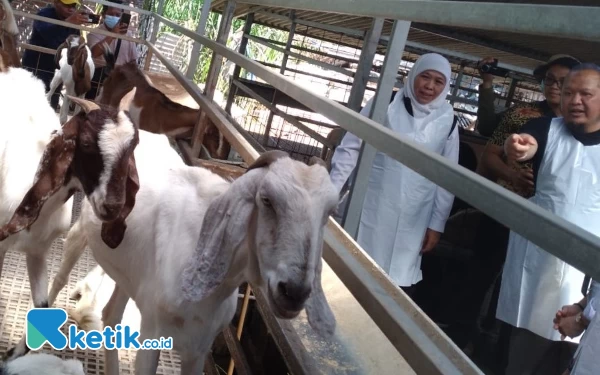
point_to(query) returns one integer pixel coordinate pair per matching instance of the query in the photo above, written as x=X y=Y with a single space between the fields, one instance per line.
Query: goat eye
x=266 y=202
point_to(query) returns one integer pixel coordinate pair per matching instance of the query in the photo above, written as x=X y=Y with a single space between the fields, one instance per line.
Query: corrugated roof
x=517 y=49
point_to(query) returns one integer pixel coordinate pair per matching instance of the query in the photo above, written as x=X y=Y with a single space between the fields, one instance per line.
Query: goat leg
x=146 y=361
x=56 y=81
x=192 y=363
x=38 y=281
x=73 y=248
x=112 y=314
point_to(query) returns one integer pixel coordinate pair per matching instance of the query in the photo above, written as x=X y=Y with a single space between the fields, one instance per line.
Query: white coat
x=535 y=283
x=400 y=204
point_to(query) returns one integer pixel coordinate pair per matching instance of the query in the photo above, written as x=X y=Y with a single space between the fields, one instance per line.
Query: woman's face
x=429 y=85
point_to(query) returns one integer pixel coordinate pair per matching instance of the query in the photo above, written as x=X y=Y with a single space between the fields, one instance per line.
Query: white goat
x=39 y=167
x=75 y=69
x=193 y=238
x=42 y=363
x=28 y=124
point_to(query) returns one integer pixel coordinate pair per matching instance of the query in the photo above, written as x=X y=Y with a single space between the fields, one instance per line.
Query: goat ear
x=113 y=232
x=318 y=312
x=223 y=230
x=267 y=158
x=50 y=177
x=58 y=54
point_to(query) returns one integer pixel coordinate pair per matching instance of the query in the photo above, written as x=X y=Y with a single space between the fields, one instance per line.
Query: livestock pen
x=365 y=48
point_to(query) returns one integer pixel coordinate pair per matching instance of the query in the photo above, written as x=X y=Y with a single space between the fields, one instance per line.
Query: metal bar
x=318 y=25
x=574 y=22
x=363 y=72
x=378 y=112
x=237 y=69
x=289 y=43
x=420 y=341
x=121 y=6
x=552 y=233
x=457 y=83
x=511 y=92
x=313 y=134
x=201 y=29
x=246 y=151
x=302 y=57
x=313 y=75
x=288 y=46
x=79 y=27
x=212 y=77
x=385 y=38
x=217 y=60
x=160 y=10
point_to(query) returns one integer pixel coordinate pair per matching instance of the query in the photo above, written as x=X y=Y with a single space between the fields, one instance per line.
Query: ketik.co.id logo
x=43 y=325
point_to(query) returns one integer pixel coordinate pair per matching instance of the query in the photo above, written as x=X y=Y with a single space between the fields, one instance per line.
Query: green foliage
x=187 y=14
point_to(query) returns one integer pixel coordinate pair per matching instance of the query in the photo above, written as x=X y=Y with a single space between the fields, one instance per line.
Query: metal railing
x=413 y=334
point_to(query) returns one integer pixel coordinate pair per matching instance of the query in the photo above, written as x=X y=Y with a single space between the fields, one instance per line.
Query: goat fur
x=9 y=56
x=29 y=122
x=42 y=363
x=75 y=69
x=188 y=217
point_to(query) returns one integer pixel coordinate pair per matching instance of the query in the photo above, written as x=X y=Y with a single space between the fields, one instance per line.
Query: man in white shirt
x=566 y=163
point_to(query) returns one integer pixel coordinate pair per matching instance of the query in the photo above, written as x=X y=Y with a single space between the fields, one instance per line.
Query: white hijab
x=429 y=61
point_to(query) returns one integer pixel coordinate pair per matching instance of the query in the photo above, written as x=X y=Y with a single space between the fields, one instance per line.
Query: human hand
x=522 y=179
x=565 y=312
x=431 y=239
x=77 y=18
x=570 y=327
x=518 y=146
x=487 y=78
x=120 y=28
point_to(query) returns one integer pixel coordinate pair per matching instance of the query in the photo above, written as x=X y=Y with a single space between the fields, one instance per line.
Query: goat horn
x=267 y=158
x=86 y=105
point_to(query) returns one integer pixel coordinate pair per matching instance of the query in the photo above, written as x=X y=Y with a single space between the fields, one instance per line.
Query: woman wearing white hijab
x=404 y=213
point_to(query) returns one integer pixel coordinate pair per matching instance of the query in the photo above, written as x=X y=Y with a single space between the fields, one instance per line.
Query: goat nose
x=294 y=292
x=112 y=209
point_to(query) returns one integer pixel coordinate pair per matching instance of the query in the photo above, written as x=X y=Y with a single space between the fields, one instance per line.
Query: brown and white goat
x=128 y=88
x=75 y=69
x=8 y=35
x=92 y=152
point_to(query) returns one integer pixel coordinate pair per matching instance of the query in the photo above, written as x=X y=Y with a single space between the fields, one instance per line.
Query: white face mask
x=111 y=21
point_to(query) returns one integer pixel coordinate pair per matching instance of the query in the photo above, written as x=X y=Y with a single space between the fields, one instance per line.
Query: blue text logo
x=44 y=324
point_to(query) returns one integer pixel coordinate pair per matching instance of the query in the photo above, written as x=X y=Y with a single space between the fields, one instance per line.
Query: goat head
x=93 y=152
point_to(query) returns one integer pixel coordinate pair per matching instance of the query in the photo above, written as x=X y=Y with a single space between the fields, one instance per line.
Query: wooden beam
x=237 y=353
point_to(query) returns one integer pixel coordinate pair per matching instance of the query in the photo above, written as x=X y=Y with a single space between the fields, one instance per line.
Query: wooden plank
x=210 y=368
x=237 y=353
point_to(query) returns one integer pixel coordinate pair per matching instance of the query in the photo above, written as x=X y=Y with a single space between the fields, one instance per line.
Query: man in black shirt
x=565 y=152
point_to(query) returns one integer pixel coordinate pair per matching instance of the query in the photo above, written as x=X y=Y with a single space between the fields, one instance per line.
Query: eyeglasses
x=549 y=81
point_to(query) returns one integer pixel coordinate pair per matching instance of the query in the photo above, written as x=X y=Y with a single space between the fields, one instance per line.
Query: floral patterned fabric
x=512 y=121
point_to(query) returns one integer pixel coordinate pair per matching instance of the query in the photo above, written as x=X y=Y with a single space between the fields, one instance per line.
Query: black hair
x=105 y=7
